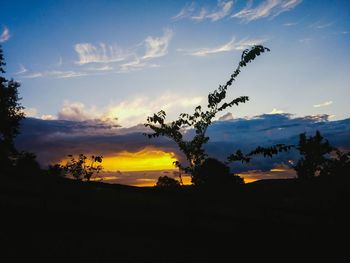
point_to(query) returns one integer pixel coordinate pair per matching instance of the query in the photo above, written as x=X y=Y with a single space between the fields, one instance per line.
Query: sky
x=120 y=61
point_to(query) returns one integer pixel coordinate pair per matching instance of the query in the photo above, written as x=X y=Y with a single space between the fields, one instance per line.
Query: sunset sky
x=102 y=60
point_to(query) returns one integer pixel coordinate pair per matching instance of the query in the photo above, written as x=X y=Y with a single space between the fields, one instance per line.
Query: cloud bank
x=52 y=140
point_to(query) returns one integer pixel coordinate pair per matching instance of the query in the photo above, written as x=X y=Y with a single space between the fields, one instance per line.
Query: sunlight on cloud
x=136 y=111
x=129 y=112
x=5 y=35
x=324 y=104
x=76 y=111
x=265 y=9
x=276 y=111
x=230 y=46
x=280 y=171
x=30 y=112
x=148 y=159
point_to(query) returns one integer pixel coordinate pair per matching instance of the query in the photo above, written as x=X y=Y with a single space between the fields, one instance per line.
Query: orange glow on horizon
x=148 y=159
x=278 y=170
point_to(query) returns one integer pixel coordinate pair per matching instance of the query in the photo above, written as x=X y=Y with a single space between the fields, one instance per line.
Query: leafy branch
x=201 y=119
x=265 y=151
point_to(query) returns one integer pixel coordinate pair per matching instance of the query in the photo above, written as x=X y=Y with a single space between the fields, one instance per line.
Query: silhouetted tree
x=215 y=173
x=167 y=182
x=338 y=167
x=80 y=169
x=200 y=119
x=313 y=151
x=11 y=113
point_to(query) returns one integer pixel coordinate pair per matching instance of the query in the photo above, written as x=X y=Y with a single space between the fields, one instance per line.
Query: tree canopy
x=11 y=113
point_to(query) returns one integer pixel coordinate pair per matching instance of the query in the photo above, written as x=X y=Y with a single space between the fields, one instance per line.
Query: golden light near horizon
x=147 y=159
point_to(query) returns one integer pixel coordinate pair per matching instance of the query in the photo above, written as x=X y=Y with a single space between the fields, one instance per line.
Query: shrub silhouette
x=313 y=151
x=213 y=172
x=79 y=168
x=56 y=170
x=167 y=182
x=337 y=168
x=26 y=164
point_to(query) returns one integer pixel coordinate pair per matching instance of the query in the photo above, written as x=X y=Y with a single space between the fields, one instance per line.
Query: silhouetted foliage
x=265 y=151
x=313 y=151
x=338 y=167
x=11 y=112
x=56 y=170
x=79 y=168
x=200 y=119
x=215 y=173
x=26 y=164
x=167 y=182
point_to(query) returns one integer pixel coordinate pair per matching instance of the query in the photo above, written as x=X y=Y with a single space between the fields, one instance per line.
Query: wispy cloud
x=157 y=46
x=185 y=12
x=320 y=25
x=136 y=64
x=268 y=8
x=59 y=62
x=189 y=11
x=305 y=40
x=324 y=104
x=55 y=74
x=290 y=24
x=5 y=35
x=101 y=69
x=103 y=53
x=107 y=59
x=229 y=46
x=223 y=9
x=33 y=75
x=22 y=70
x=124 y=60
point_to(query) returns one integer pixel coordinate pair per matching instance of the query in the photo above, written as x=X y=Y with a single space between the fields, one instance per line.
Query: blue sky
x=81 y=60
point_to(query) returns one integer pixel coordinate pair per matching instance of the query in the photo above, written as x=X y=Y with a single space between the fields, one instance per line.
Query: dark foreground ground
x=59 y=219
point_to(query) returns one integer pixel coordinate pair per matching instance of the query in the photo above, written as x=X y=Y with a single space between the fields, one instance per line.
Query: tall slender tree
x=201 y=119
x=11 y=113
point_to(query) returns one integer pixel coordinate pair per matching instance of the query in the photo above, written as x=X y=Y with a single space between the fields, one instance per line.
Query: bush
x=215 y=173
x=167 y=182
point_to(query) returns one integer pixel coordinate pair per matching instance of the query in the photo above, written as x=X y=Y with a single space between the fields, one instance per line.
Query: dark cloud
x=52 y=140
